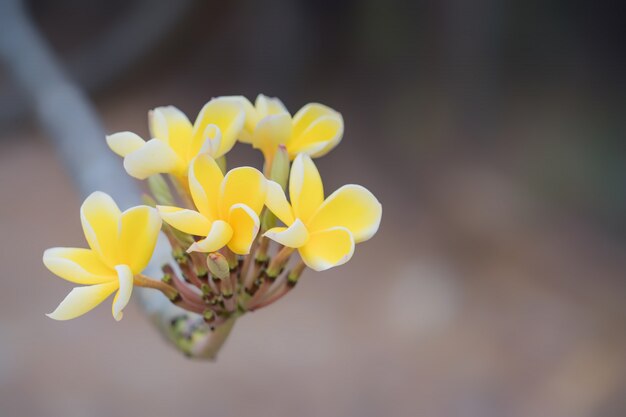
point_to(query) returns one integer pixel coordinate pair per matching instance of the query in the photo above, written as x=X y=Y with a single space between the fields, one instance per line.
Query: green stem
x=181 y=185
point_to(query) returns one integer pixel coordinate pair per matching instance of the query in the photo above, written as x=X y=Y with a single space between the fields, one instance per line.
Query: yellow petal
x=205 y=179
x=138 y=236
x=311 y=149
x=81 y=266
x=272 y=131
x=155 y=157
x=83 y=299
x=305 y=187
x=330 y=123
x=245 y=224
x=328 y=248
x=100 y=218
x=276 y=202
x=244 y=185
x=315 y=125
x=187 y=221
x=293 y=236
x=123 y=143
x=352 y=207
x=125 y=282
x=171 y=126
x=217 y=238
x=212 y=142
x=267 y=106
x=318 y=138
x=251 y=118
x=308 y=114
x=227 y=114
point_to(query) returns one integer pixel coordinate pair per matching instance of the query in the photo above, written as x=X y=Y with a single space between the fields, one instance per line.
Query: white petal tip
x=193 y=248
x=54 y=316
x=270 y=235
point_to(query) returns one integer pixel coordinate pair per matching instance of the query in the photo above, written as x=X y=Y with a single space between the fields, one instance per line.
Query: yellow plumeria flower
x=121 y=245
x=176 y=141
x=228 y=207
x=323 y=230
x=314 y=130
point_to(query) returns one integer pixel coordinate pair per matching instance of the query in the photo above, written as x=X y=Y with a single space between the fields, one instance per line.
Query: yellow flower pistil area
x=227 y=207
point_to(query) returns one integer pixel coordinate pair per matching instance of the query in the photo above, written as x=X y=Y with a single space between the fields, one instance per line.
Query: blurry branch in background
x=137 y=32
x=74 y=128
x=61 y=107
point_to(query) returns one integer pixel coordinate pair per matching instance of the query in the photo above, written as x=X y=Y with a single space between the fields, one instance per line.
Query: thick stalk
x=74 y=128
x=214 y=341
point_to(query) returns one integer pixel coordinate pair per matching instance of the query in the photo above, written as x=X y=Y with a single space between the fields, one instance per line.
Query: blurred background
x=491 y=131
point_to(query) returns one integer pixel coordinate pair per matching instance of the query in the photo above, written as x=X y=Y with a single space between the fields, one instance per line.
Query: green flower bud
x=218 y=265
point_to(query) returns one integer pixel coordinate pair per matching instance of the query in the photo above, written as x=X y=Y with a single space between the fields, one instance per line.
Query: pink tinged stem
x=143 y=281
x=280 y=287
x=188 y=270
x=270 y=298
x=245 y=267
x=279 y=261
x=260 y=293
x=187 y=294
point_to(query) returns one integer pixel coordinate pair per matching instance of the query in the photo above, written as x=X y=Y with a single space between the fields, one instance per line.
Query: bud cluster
x=234 y=235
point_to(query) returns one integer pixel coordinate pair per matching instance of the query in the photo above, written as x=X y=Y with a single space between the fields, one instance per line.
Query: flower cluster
x=233 y=233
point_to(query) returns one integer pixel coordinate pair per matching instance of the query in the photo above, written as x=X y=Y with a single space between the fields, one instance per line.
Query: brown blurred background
x=491 y=131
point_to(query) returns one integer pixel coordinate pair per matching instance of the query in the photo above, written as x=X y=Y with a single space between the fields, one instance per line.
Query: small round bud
x=218 y=265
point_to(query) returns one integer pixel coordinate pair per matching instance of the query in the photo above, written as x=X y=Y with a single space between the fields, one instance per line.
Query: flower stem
x=283 y=289
x=266 y=296
x=243 y=272
x=261 y=253
x=181 y=186
x=275 y=267
x=144 y=281
x=185 y=263
x=186 y=293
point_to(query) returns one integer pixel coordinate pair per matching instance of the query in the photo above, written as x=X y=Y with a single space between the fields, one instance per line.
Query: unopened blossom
x=120 y=246
x=228 y=207
x=314 y=130
x=324 y=231
x=175 y=141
